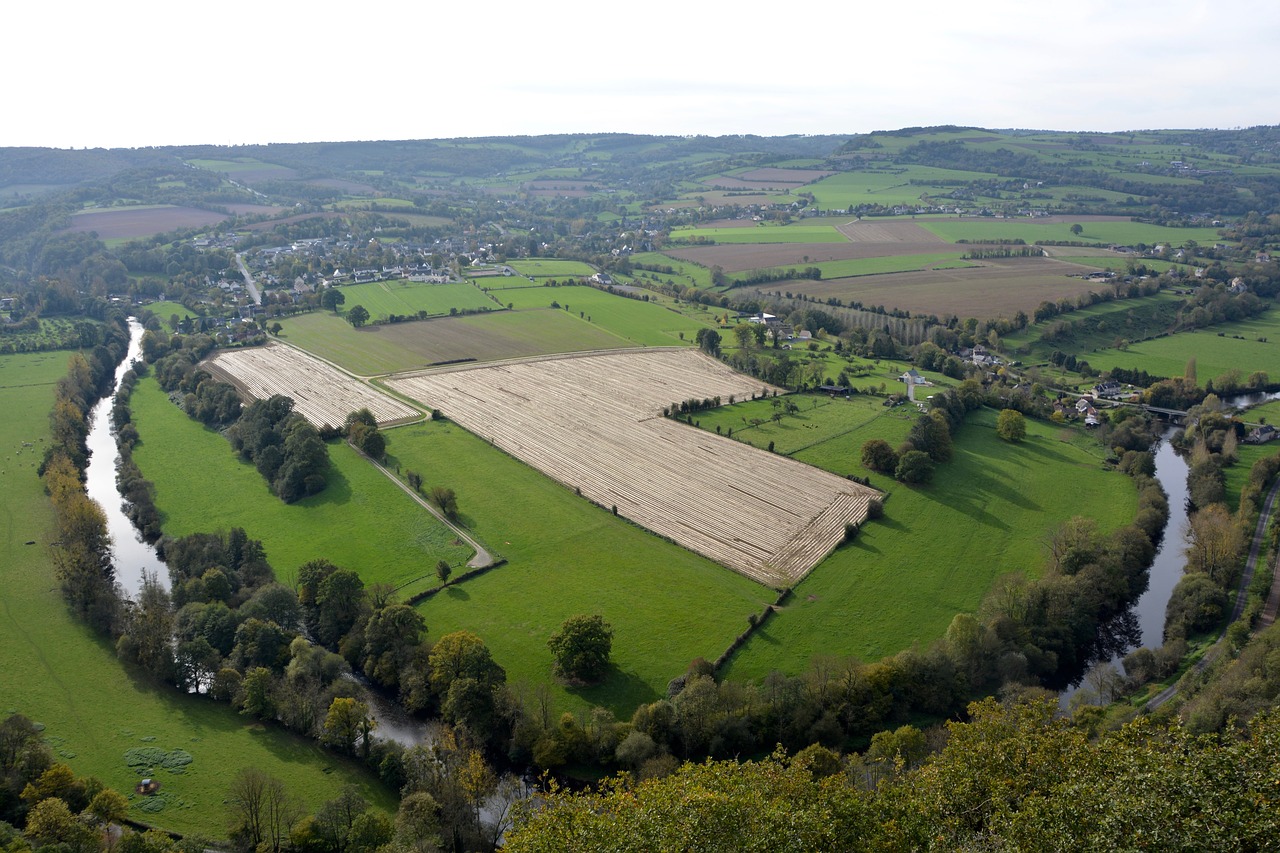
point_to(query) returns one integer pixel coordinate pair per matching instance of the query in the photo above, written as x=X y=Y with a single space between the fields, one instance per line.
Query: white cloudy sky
x=142 y=72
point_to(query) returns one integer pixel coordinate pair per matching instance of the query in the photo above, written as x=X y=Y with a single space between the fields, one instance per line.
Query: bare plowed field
x=126 y=222
x=321 y=393
x=998 y=288
x=888 y=233
x=749 y=256
x=593 y=422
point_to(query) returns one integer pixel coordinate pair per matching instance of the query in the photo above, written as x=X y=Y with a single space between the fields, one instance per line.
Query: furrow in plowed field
x=594 y=423
x=321 y=393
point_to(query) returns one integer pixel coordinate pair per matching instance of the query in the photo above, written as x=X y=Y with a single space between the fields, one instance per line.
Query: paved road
x=248 y=280
x=1242 y=596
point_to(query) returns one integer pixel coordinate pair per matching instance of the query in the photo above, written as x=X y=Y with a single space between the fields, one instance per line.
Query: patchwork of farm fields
x=92 y=708
x=761 y=233
x=593 y=423
x=482 y=337
x=321 y=393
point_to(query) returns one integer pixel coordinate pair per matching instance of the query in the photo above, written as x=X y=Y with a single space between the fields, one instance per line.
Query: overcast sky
x=141 y=72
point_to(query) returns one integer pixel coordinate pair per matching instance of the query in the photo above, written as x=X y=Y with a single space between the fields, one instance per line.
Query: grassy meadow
x=536 y=268
x=939 y=547
x=361 y=521
x=566 y=556
x=403 y=297
x=889 y=187
x=640 y=323
x=59 y=674
x=1245 y=346
x=1096 y=230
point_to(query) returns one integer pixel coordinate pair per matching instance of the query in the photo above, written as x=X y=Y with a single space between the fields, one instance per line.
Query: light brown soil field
x=791 y=176
x=735 y=257
x=867 y=231
x=124 y=222
x=255 y=209
x=593 y=422
x=321 y=393
x=998 y=288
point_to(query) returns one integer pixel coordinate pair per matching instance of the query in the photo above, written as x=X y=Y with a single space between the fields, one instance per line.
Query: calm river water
x=132 y=556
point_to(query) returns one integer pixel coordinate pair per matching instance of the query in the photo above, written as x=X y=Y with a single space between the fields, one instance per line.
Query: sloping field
x=321 y=393
x=483 y=337
x=741 y=257
x=997 y=288
x=593 y=423
x=141 y=221
x=887 y=231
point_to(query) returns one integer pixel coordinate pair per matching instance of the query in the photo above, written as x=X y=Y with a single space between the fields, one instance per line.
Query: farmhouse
x=1260 y=435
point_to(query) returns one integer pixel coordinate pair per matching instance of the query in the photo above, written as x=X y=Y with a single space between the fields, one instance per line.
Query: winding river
x=130 y=554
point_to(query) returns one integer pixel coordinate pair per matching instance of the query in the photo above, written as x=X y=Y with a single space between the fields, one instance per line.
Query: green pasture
x=683 y=272
x=899 y=185
x=93 y=708
x=361 y=521
x=404 y=297
x=243 y=164
x=1217 y=350
x=166 y=310
x=1237 y=474
x=763 y=233
x=939 y=547
x=551 y=268
x=484 y=337
x=642 y=323
x=818 y=423
x=1117 y=231
x=852 y=267
x=566 y=556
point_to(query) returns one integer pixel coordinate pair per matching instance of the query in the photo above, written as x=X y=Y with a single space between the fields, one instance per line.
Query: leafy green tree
x=878 y=456
x=708 y=341
x=347 y=723
x=358 y=315
x=581 y=648
x=1011 y=425
x=332 y=298
x=461 y=654
x=914 y=466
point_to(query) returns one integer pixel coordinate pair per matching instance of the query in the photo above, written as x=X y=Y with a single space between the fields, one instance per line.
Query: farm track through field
x=593 y=423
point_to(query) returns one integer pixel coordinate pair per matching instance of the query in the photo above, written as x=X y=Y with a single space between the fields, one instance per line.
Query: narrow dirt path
x=482 y=557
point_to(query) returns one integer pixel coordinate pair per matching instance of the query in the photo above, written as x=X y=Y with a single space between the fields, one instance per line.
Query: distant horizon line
x=899 y=130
